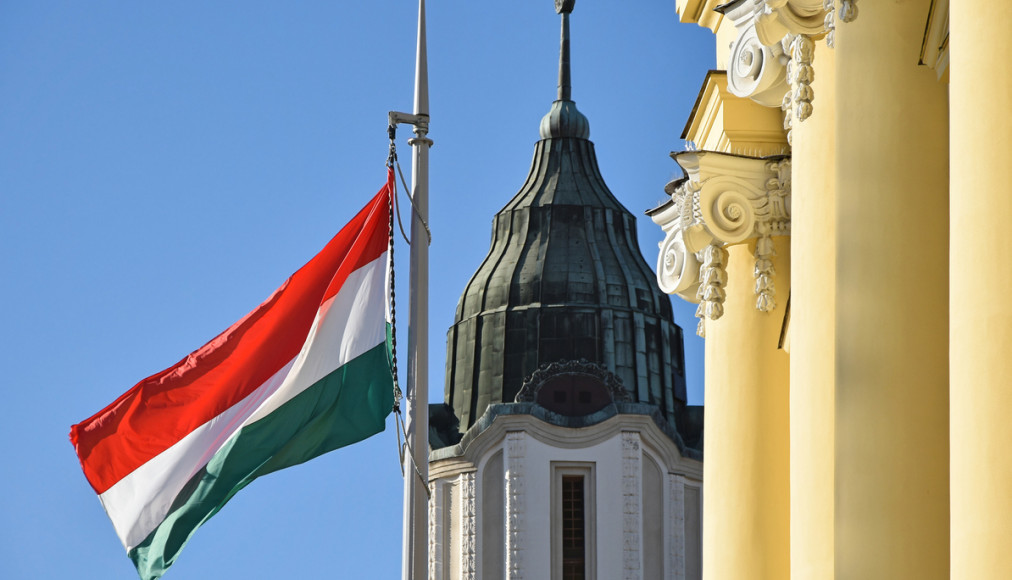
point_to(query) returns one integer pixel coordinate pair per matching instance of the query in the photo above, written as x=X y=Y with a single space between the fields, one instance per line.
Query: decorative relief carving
x=773 y=220
x=677 y=265
x=435 y=532
x=516 y=450
x=764 y=271
x=532 y=384
x=631 y=505
x=755 y=70
x=728 y=211
x=713 y=278
x=830 y=22
x=775 y=18
x=724 y=200
x=800 y=75
x=848 y=10
x=778 y=189
x=676 y=539
x=787 y=106
x=468 y=528
x=773 y=34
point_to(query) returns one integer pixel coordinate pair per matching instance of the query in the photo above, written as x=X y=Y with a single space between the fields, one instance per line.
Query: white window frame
x=587 y=470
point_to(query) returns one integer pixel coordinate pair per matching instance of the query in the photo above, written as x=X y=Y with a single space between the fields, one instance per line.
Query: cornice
x=466 y=459
x=701 y=12
x=721 y=121
x=723 y=200
x=935 y=48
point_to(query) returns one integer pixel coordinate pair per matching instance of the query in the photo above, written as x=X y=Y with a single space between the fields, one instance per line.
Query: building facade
x=842 y=224
x=565 y=448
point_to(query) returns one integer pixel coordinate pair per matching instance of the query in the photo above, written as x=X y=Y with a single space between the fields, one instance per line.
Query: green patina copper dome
x=563 y=280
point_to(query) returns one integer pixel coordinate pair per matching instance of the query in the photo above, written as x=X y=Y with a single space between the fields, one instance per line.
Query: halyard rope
x=394 y=207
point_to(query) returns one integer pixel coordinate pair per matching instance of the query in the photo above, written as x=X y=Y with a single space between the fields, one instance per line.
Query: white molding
x=468 y=527
x=436 y=529
x=676 y=527
x=632 y=506
x=492 y=438
x=514 y=463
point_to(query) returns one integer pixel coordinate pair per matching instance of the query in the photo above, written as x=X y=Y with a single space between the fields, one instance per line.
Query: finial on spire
x=563 y=120
x=564 y=7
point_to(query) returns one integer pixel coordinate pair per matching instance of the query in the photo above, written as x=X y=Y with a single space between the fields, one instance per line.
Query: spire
x=563 y=119
x=564 y=7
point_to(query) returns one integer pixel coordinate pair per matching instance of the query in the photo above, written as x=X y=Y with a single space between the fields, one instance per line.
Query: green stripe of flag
x=348 y=405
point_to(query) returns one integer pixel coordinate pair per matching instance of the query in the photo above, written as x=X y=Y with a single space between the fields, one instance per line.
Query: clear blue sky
x=164 y=166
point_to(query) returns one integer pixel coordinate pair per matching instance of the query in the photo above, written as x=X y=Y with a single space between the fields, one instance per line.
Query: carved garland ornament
x=771 y=60
x=712 y=279
x=848 y=12
x=725 y=200
x=533 y=383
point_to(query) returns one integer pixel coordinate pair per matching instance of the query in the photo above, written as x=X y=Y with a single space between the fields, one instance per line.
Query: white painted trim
x=468 y=526
x=675 y=527
x=567 y=438
x=632 y=506
x=514 y=464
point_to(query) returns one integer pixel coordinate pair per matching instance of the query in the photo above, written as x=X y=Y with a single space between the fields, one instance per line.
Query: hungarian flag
x=306 y=372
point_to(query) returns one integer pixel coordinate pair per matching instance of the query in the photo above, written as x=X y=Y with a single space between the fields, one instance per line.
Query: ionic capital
x=723 y=200
x=771 y=59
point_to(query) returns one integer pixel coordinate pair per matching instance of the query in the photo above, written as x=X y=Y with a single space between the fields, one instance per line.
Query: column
x=981 y=323
x=746 y=482
x=812 y=343
x=727 y=247
x=891 y=429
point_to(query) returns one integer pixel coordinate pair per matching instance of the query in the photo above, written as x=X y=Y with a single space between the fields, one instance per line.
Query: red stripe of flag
x=163 y=408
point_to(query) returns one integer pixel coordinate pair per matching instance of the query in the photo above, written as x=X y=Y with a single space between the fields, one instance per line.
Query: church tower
x=565 y=448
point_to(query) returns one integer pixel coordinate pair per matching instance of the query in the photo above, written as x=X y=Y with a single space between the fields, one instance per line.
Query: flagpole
x=416 y=528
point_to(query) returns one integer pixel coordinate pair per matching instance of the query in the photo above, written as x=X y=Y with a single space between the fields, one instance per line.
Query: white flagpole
x=416 y=528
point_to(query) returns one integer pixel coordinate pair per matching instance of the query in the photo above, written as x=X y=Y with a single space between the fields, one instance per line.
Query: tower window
x=574 y=538
x=574 y=553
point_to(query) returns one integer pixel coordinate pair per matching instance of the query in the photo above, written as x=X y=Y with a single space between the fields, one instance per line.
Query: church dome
x=564 y=280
